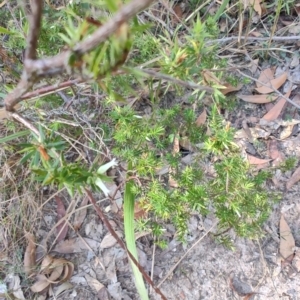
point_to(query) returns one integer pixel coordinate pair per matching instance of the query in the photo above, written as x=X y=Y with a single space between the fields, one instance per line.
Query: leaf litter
x=201 y=118
x=276 y=110
x=274 y=153
x=256 y=161
x=257 y=99
x=287 y=241
x=94 y=283
x=294 y=178
x=62 y=227
x=109 y=241
x=80 y=214
x=14 y=288
x=52 y=271
x=30 y=254
x=76 y=245
x=273 y=84
x=265 y=76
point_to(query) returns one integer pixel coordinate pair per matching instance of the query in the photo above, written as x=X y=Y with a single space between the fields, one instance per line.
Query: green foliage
x=289 y=164
x=221 y=139
x=239 y=199
x=242 y=204
x=188 y=60
x=146 y=46
x=49 y=166
x=145 y=141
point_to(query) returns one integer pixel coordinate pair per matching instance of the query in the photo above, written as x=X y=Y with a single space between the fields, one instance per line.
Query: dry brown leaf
x=202 y=118
x=288 y=261
x=68 y=271
x=46 y=264
x=109 y=241
x=287 y=241
x=57 y=268
x=93 y=283
x=294 y=29
x=57 y=271
x=274 y=153
x=103 y=294
x=256 y=6
x=286 y=132
x=53 y=270
x=256 y=161
x=63 y=287
x=295 y=177
x=16 y=288
x=80 y=214
x=265 y=76
x=258 y=99
x=76 y=245
x=275 y=111
x=209 y=78
x=255 y=33
x=62 y=228
x=273 y=84
x=185 y=143
x=138 y=235
x=172 y=182
x=269 y=106
x=241 y=134
x=41 y=284
x=273 y=149
x=29 y=256
x=230 y=88
x=254 y=65
x=139 y=212
x=3 y=114
x=178 y=12
x=257 y=132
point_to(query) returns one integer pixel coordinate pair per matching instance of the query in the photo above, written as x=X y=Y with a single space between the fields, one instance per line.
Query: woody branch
x=37 y=68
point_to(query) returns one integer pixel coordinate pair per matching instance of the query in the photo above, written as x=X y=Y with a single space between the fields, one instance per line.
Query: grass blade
x=221 y=10
x=130 y=239
x=14 y=136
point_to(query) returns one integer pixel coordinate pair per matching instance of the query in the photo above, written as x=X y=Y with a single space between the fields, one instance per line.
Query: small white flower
x=108 y=165
x=102 y=186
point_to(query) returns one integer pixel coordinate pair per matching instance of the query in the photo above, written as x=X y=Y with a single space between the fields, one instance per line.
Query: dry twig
x=35 y=19
x=251 y=38
x=37 y=68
